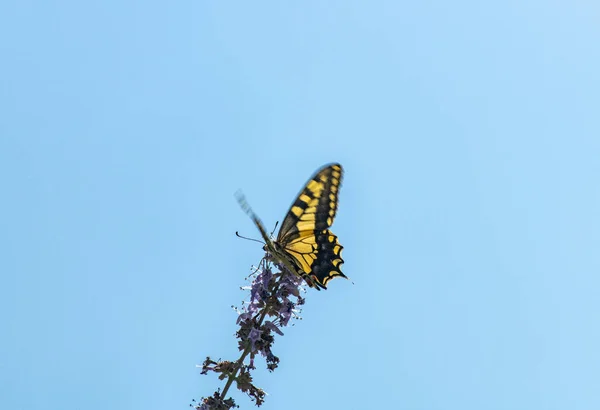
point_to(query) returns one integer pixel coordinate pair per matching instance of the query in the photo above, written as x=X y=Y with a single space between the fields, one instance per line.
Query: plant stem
x=240 y=361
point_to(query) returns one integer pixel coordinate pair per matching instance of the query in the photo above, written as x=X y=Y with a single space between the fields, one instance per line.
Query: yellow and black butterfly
x=304 y=244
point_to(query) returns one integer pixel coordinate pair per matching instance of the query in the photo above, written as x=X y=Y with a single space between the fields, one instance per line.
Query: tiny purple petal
x=273 y=327
x=266 y=278
x=243 y=316
x=254 y=335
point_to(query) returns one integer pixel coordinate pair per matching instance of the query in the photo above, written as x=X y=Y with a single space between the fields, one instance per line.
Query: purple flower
x=274 y=300
x=265 y=278
x=244 y=316
x=254 y=335
x=273 y=327
x=285 y=312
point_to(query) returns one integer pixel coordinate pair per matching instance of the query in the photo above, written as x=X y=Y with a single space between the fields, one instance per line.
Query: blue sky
x=469 y=212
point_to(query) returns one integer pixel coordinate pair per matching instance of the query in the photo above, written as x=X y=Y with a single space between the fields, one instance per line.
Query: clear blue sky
x=470 y=135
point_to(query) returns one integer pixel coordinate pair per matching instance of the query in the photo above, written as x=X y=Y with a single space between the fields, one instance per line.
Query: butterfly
x=304 y=244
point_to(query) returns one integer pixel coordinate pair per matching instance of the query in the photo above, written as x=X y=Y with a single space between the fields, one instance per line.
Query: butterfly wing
x=305 y=238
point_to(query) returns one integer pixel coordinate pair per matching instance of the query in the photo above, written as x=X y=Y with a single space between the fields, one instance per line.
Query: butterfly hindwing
x=317 y=257
x=304 y=238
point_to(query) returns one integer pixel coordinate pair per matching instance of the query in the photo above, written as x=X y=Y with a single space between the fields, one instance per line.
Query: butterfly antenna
x=275 y=227
x=246 y=238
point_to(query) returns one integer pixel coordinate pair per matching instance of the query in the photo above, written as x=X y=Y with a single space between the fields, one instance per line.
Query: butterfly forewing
x=315 y=207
